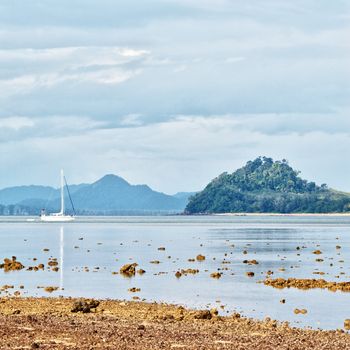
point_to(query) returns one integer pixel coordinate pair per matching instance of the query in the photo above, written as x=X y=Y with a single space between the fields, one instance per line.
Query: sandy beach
x=49 y=323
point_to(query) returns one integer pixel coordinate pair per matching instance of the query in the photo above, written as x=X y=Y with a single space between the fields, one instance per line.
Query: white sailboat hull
x=56 y=218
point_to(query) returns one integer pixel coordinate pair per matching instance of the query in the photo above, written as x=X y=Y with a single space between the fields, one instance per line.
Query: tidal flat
x=55 y=323
x=209 y=262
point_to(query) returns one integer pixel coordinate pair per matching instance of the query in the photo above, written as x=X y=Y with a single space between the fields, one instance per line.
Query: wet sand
x=49 y=323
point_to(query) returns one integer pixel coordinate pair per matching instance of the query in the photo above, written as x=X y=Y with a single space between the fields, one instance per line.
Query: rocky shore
x=305 y=284
x=65 y=323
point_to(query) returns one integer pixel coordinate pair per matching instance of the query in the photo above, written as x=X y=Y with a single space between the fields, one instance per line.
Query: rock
x=134 y=290
x=305 y=284
x=317 y=252
x=141 y=271
x=11 y=265
x=85 y=306
x=50 y=289
x=6 y=286
x=35 y=345
x=214 y=311
x=178 y=274
x=161 y=248
x=283 y=301
x=250 y=274
x=200 y=257
x=128 y=270
x=155 y=262
x=189 y=271
x=141 y=327
x=215 y=275
x=168 y=317
x=202 y=315
x=300 y=311
x=347 y=324
x=250 y=262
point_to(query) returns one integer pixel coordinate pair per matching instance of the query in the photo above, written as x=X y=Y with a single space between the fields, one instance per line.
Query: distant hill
x=184 y=195
x=266 y=186
x=18 y=194
x=110 y=195
x=13 y=195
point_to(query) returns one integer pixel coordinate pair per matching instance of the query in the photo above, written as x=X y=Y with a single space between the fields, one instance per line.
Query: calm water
x=109 y=243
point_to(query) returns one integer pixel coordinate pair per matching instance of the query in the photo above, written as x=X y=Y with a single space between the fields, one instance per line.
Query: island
x=267 y=186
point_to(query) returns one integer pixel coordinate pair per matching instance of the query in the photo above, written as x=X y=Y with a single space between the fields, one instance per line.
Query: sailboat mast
x=62 y=192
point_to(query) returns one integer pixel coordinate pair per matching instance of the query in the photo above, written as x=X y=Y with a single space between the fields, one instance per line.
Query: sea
x=91 y=250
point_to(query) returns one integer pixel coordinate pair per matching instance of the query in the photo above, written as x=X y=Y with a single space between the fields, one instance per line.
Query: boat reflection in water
x=61 y=256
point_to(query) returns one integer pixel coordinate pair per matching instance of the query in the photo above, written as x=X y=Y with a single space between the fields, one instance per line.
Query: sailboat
x=61 y=216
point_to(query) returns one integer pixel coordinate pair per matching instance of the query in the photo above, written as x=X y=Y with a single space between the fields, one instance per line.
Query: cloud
x=131 y=120
x=17 y=129
x=16 y=123
x=172 y=92
x=184 y=153
x=78 y=65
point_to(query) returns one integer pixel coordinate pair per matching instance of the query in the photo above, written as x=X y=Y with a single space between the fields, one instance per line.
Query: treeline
x=8 y=210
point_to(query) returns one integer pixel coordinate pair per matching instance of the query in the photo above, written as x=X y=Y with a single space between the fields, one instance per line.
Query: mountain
x=109 y=195
x=112 y=193
x=266 y=186
x=19 y=194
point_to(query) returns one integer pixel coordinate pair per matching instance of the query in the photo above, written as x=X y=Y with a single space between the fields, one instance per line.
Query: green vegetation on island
x=267 y=186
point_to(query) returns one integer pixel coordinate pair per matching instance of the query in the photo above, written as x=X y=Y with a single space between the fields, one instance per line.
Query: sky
x=172 y=93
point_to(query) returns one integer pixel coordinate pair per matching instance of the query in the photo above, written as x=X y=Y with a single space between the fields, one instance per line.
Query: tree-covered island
x=267 y=186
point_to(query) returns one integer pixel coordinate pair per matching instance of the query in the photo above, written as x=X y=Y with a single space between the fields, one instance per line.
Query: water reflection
x=61 y=256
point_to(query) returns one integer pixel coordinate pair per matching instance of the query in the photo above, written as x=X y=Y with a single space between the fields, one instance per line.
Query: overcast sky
x=173 y=92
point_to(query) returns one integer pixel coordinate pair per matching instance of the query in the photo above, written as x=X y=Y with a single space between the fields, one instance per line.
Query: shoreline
x=49 y=323
x=288 y=215
x=185 y=215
